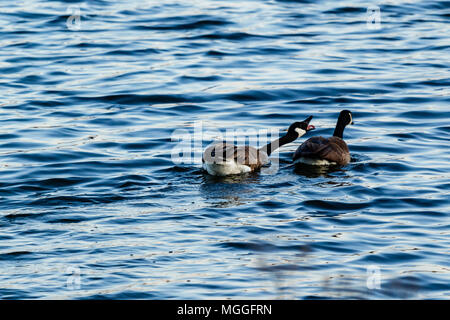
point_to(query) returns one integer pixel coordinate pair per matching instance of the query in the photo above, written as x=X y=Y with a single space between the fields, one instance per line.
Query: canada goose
x=322 y=151
x=223 y=159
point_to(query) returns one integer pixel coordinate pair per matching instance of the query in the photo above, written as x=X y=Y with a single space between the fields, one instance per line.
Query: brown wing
x=245 y=155
x=218 y=153
x=251 y=157
x=333 y=149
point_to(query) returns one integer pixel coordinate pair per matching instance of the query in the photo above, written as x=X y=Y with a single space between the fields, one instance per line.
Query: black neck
x=339 y=130
x=274 y=145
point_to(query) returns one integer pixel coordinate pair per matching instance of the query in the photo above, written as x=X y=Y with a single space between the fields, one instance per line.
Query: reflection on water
x=229 y=191
x=310 y=171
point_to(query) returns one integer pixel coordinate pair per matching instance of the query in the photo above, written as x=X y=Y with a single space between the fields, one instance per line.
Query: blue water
x=93 y=206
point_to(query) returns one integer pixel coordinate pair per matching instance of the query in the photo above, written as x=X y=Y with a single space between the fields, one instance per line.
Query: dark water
x=92 y=205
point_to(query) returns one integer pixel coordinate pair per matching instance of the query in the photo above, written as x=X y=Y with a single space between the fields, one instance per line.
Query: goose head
x=298 y=129
x=345 y=118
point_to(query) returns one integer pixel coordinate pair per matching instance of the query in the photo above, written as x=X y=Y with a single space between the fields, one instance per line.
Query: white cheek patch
x=300 y=131
x=351 y=119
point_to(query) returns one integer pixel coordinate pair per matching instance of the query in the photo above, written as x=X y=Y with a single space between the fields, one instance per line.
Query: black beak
x=307 y=120
x=309 y=127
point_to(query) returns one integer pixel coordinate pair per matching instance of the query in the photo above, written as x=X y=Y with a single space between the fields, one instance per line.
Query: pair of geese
x=224 y=159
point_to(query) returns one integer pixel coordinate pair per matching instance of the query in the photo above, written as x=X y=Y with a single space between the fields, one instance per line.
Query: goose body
x=230 y=159
x=222 y=159
x=319 y=151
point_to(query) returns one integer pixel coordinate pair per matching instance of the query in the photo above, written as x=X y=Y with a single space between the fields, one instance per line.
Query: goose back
x=222 y=153
x=333 y=149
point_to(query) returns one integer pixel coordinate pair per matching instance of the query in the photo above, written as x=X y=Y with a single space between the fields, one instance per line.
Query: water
x=92 y=205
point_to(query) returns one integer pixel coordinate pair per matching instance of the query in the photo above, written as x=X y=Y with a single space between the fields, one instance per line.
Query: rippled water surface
x=92 y=205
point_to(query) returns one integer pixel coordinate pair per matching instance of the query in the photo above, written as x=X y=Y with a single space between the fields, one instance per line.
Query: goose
x=224 y=159
x=326 y=151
